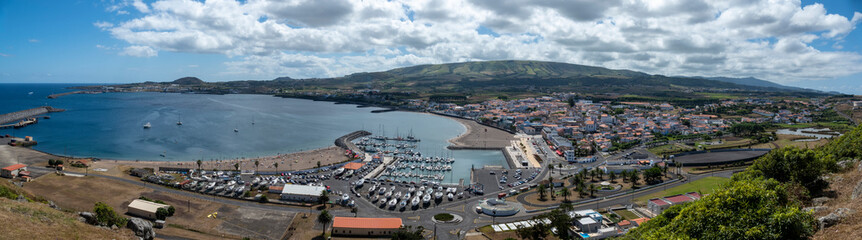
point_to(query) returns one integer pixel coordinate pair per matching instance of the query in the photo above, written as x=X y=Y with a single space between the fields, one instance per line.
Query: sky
x=812 y=44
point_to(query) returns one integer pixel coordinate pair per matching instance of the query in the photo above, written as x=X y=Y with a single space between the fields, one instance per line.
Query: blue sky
x=813 y=44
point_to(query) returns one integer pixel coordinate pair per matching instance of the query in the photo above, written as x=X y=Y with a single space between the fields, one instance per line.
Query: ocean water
x=110 y=126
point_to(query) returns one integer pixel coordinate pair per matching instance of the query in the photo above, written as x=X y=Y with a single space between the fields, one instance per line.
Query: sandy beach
x=479 y=136
x=289 y=161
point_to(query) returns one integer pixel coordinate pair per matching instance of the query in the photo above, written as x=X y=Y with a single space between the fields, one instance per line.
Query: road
x=845 y=116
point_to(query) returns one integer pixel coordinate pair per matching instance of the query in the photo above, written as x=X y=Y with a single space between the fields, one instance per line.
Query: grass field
x=729 y=144
x=704 y=185
x=626 y=214
x=669 y=149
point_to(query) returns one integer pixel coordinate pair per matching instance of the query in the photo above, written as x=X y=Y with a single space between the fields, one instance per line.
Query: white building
x=301 y=193
x=145 y=209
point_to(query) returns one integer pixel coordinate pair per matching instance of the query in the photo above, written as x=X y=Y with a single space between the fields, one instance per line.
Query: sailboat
x=147 y=125
x=235 y=129
x=180 y=121
x=252 y=119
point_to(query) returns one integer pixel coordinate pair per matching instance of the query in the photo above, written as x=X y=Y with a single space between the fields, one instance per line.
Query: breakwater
x=19 y=115
x=346 y=141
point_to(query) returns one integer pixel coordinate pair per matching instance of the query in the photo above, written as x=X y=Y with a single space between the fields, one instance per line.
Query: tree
x=542 y=192
x=560 y=168
x=635 y=177
x=652 y=175
x=581 y=190
x=592 y=190
x=256 y=163
x=565 y=193
x=600 y=173
x=161 y=213
x=408 y=233
x=566 y=207
x=551 y=184
x=561 y=221
x=276 y=167
x=625 y=175
x=318 y=164
x=791 y=164
x=171 y=210
x=746 y=208
x=537 y=232
x=593 y=175
x=324 y=218
x=550 y=169
x=612 y=176
x=199 y=164
x=236 y=166
x=106 y=216
x=324 y=197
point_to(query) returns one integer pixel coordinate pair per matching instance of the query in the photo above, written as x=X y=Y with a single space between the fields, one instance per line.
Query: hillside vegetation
x=766 y=200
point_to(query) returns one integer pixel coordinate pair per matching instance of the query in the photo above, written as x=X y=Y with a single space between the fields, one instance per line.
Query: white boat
x=235 y=130
x=415 y=201
x=406 y=196
x=392 y=203
x=426 y=198
x=397 y=195
x=382 y=191
x=438 y=195
x=375 y=199
x=450 y=196
x=147 y=125
x=403 y=203
x=388 y=194
x=411 y=189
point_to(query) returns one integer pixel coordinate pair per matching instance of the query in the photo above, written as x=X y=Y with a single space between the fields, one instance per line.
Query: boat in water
x=148 y=125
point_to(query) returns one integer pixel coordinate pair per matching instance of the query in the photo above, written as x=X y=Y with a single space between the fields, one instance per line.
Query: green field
x=626 y=214
x=704 y=185
x=669 y=149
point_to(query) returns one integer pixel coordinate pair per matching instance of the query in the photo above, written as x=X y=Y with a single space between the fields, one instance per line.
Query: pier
x=25 y=114
x=346 y=141
x=53 y=96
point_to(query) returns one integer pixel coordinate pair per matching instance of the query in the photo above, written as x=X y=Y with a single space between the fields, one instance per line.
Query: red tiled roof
x=14 y=167
x=695 y=194
x=678 y=198
x=658 y=202
x=366 y=223
x=353 y=166
x=640 y=221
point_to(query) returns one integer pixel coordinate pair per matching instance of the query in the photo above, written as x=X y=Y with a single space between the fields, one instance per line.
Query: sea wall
x=346 y=141
x=15 y=116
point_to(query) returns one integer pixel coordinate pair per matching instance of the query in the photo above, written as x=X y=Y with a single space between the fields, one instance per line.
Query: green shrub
x=105 y=215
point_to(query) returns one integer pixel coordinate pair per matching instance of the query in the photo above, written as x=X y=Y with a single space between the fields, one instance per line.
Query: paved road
x=845 y=116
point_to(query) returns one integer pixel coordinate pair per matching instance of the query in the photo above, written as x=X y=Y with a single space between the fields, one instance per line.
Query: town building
x=301 y=193
x=13 y=170
x=145 y=209
x=349 y=226
x=657 y=205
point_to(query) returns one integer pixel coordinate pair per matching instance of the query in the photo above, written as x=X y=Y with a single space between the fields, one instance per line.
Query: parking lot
x=491 y=178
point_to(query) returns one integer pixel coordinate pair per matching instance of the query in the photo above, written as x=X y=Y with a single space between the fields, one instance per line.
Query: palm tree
x=318 y=164
x=625 y=175
x=541 y=191
x=236 y=166
x=601 y=174
x=566 y=193
x=592 y=189
x=612 y=176
x=634 y=177
x=580 y=190
x=199 y=165
x=550 y=169
x=593 y=175
x=551 y=183
x=560 y=168
x=276 y=167
x=324 y=218
x=324 y=197
x=256 y=163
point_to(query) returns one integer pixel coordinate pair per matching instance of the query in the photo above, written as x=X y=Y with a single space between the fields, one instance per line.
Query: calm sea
x=110 y=126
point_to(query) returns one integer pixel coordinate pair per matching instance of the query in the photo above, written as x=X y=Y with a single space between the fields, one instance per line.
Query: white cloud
x=141 y=6
x=33 y=40
x=139 y=51
x=770 y=39
x=5 y=55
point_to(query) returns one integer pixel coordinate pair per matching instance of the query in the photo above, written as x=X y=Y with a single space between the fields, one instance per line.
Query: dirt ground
x=190 y=220
x=843 y=185
x=481 y=136
x=787 y=140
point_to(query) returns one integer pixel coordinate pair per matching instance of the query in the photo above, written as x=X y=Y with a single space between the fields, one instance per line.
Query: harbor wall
x=346 y=141
x=19 y=115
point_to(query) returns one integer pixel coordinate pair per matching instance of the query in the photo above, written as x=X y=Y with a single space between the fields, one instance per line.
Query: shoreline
x=478 y=136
